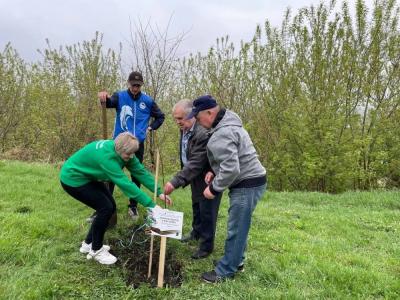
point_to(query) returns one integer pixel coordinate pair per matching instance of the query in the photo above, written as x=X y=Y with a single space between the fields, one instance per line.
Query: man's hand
x=207 y=193
x=103 y=95
x=149 y=129
x=166 y=199
x=168 y=188
x=209 y=177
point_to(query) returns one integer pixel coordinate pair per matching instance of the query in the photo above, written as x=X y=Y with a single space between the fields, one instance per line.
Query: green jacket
x=98 y=161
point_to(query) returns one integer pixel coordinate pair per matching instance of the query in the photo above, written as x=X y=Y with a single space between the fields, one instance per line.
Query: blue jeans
x=242 y=202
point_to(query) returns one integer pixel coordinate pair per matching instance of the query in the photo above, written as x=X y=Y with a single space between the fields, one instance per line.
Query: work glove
x=151 y=215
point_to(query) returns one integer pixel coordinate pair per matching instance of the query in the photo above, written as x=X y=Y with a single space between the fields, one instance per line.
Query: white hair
x=185 y=104
x=126 y=143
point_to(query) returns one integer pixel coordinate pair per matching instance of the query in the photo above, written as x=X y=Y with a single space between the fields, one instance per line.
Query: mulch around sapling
x=133 y=258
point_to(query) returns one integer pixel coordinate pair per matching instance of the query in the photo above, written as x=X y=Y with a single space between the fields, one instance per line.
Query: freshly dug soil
x=133 y=258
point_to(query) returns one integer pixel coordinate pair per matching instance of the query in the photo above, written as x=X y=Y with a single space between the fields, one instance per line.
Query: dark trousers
x=95 y=195
x=205 y=214
x=139 y=154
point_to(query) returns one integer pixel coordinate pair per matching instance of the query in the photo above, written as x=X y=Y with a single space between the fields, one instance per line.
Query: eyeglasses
x=135 y=85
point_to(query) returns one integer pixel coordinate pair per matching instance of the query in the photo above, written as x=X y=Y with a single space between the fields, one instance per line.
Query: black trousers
x=205 y=214
x=139 y=154
x=95 y=195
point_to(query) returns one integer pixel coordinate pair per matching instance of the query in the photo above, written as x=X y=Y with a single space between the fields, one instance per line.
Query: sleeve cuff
x=177 y=183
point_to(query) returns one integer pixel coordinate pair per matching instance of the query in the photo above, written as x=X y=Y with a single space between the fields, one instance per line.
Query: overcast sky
x=26 y=24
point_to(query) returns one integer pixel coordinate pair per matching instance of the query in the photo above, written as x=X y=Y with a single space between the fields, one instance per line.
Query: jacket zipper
x=134 y=118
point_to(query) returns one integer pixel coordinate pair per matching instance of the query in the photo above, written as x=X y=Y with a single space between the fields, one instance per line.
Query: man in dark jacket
x=194 y=163
x=236 y=167
x=134 y=110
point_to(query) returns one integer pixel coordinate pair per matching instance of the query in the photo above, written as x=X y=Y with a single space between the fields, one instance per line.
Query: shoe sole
x=209 y=282
x=219 y=280
x=240 y=269
x=89 y=257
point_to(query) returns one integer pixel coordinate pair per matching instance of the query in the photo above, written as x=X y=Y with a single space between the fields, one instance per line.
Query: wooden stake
x=155 y=201
x=104 y=119
x=113 y=220
x=163 y=246
x=161 y=262
x=150 y=256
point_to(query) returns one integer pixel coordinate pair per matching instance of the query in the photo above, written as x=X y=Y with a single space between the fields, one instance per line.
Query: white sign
x=167 y=223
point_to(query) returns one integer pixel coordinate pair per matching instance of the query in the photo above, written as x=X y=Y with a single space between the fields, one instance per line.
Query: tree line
x=319 y=95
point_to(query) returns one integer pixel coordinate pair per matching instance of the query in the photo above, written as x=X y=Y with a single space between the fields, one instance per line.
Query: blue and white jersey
x=133 y=115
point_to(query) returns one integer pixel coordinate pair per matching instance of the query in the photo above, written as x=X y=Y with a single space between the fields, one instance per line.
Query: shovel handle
x=113 y=220
x=104 y=119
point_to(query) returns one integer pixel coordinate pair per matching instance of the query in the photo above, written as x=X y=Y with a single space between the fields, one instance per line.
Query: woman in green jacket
x=82 y=175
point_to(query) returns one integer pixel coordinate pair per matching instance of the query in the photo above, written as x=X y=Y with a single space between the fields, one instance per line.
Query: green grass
x=301 y=246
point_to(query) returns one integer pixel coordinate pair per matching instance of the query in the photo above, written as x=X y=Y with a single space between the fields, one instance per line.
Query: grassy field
x=301 y=246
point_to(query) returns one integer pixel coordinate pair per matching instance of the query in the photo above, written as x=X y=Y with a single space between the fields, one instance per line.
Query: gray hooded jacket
x=231 y=153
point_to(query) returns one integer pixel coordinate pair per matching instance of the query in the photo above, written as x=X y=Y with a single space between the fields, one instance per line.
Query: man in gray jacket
x=236 y=167
x=194 y=166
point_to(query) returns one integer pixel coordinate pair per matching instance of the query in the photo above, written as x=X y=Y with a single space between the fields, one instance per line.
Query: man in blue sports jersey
x=134 y=110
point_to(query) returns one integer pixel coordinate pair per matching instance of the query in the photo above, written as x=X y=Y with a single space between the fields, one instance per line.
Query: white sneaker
x=85 y=248
x=133 y=213
x=102 y=256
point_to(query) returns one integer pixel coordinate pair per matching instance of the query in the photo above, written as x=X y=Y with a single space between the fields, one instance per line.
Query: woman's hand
x=165 y=198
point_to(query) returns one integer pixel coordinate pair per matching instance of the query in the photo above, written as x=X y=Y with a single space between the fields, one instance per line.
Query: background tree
x=319 y=94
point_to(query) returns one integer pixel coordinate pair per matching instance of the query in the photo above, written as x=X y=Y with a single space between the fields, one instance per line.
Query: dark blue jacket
x=134 y=113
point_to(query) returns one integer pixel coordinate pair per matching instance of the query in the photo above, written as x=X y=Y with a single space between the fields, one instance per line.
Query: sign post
x=167 y=223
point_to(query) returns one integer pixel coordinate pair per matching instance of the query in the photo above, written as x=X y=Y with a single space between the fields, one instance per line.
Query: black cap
x=202 y=103
x=135 y=78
